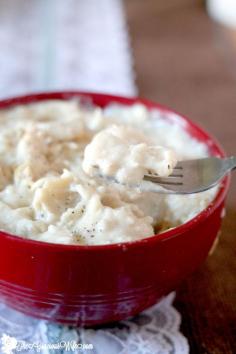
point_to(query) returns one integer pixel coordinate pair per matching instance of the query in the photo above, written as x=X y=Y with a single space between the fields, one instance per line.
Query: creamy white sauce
x=46 y=194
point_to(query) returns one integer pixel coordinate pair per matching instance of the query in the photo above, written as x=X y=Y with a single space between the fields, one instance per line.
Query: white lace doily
x=76 y=44
x=154 y=331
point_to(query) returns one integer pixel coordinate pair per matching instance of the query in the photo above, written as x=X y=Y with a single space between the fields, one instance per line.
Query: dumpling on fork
x=126 y=155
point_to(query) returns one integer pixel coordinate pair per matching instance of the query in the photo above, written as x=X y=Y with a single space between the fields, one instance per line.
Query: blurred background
x=181 y=53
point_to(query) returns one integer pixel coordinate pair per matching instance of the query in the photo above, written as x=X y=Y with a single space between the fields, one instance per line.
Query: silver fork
x=192 y=176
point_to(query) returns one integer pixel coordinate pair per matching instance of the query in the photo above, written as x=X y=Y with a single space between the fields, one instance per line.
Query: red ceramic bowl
x=90 y=285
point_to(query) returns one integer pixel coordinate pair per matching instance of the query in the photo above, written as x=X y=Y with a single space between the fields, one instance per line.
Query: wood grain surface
x=187 y=62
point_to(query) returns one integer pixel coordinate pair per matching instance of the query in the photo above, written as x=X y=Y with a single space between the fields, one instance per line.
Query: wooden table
x=185 y=61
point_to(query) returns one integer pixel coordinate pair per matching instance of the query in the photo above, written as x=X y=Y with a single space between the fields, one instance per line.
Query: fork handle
x=231 y=163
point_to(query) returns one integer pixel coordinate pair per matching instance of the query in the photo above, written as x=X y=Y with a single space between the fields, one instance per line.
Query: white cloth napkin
x=57 y=44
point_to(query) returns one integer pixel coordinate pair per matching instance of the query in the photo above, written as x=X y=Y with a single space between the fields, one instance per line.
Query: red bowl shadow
x=90 y=285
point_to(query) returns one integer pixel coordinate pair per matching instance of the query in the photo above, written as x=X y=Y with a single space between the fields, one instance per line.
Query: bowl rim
x=164 y=236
